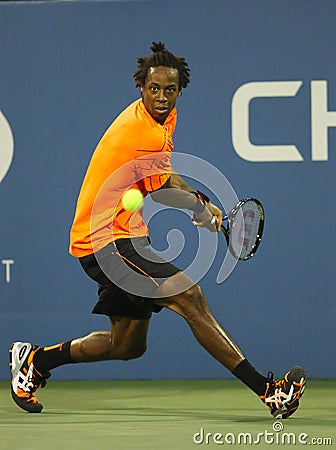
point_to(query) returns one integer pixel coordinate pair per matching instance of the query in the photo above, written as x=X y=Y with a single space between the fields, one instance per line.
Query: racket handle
x=213 y=220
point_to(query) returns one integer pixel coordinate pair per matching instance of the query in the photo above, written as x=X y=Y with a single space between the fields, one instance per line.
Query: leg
x=126 y=340
x=30 y=364
x=282 y=396
x=193 y=307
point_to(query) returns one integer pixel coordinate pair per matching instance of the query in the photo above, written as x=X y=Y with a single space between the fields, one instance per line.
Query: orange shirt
x=135 y=152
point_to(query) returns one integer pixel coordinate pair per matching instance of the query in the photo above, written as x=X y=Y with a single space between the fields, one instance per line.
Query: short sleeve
x=154 y=170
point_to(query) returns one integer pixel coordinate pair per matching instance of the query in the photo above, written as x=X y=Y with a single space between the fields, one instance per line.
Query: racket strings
x=244 y=230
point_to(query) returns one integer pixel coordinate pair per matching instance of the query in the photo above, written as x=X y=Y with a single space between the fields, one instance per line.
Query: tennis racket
x=245 y=224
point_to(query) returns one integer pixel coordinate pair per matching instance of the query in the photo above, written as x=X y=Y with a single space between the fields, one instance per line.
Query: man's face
x=160 y=91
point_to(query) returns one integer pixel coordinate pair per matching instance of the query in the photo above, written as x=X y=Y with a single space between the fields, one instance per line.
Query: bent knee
x=193 y=301
x=194 y=294
x=188 y=303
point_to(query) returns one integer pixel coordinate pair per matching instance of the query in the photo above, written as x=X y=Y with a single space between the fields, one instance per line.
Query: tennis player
x=112 y=246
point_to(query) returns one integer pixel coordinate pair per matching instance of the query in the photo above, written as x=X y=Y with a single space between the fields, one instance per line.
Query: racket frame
x=230 y=218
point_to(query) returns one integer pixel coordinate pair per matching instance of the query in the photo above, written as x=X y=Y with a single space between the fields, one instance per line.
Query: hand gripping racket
x=244 y=229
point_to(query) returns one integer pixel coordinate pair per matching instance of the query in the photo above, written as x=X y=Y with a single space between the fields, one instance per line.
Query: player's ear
x=180 y=93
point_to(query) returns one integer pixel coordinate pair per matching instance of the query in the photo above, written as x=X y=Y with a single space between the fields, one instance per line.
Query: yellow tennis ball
x=132 y=200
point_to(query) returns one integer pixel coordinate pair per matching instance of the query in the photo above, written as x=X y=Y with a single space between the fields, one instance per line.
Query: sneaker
x=282 y=396
x=25 y=378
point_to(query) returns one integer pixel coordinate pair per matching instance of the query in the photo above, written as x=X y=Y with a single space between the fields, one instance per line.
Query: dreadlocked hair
x=161 y=57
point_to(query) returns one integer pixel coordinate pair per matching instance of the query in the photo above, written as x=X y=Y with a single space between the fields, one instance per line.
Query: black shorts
x=127 y=273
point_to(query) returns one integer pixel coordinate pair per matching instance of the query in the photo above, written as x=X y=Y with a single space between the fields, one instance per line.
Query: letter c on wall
x=240 y=121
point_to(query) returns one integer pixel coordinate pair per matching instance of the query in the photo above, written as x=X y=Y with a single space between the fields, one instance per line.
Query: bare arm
x=178 y=182
x=179 y=194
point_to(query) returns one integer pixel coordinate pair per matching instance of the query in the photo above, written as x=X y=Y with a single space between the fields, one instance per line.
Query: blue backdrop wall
x=259 y=108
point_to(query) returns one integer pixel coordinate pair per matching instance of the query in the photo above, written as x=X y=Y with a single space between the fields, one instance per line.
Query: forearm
x=177 y=193
x=177 y=182
x=176 y=198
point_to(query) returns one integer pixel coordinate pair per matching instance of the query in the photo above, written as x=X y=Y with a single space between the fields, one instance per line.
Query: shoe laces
x=272 y=382
x=279 y=397
x=36 y=380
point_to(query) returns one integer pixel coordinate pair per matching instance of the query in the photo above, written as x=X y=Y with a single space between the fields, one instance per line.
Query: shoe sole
x=30 y=407
x=296 y=377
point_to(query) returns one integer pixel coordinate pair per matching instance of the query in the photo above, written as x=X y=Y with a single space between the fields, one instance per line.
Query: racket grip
x=213 y=220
